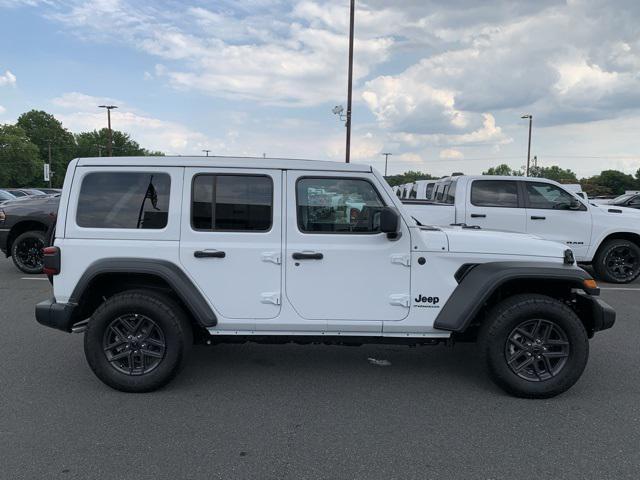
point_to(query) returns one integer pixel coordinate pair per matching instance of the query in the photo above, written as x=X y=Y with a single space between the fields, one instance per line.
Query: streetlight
x=386 y=159
x=530 y=117
x=110 y=144
x=206 y=152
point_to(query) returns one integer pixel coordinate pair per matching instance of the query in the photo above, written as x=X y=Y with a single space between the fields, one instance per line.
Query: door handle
x=307 y=256
x=209 y=254
x=478 y=215
x=534 y=217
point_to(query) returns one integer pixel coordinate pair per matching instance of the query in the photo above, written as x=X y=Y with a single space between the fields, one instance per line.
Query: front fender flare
x=481 y=281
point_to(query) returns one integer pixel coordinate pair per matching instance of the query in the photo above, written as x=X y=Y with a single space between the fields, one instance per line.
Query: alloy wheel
x=537 y=350
x=622 y=263
x=134 y=344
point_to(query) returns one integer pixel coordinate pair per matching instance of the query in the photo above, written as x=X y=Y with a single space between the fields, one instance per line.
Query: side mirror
x=390 y=222
x=575 y=204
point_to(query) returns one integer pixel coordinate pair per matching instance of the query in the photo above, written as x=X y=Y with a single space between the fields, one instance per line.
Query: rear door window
x=129 y=200
x=232 y=203
x=494 y=193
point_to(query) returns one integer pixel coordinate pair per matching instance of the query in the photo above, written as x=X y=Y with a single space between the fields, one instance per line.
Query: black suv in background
x=23 y=225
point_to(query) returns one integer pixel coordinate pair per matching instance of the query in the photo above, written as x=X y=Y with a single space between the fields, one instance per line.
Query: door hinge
x=401 y=259
x=273 y=257
x=400 y=300
x=270 y=297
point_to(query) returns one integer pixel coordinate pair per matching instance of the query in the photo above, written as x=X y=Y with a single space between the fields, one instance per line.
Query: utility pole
x=110 y=144
x=530 y=117
x=50 y=171
x=386 y=159
x=350 y=82
x=206 y=152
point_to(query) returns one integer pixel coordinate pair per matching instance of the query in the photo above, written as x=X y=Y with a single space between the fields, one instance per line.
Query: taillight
x=51 y=256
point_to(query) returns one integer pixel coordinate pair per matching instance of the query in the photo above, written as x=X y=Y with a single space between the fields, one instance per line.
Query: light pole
x=110 y=144
x=530 y=117
x=350 y=82
x=206 y=152
x=386 y=159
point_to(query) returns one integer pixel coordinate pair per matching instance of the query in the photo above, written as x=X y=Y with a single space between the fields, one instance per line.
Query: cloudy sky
x=439 y=83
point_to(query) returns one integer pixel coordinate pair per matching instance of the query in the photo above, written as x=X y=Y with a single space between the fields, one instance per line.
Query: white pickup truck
x=608 y=237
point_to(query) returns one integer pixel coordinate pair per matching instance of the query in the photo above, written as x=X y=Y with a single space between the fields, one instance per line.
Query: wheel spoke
x=155 y=342
x=555 y=354
x=524 y=364
x=517 y=343
x=115 y=345
x=119 y=356
x=525 y=333
x=151 y=353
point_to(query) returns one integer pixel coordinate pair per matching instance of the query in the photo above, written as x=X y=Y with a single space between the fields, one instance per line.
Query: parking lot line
x=34 y=278
x=620 y=288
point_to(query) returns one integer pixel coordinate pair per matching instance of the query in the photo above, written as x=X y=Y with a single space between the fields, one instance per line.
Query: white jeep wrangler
x=151 y=254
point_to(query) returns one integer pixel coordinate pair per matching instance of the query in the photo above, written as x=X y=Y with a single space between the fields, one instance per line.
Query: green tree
x=94 y=144
x=614 y=181
x=20 y=161
x=554 y=172
x=503 y=169
x=43 y=129
x=408 y=177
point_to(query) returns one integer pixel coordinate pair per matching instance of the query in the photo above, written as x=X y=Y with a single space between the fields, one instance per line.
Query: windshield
x=622 y=199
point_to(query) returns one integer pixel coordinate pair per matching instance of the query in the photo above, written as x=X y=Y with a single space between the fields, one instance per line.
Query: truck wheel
x=617 y=261
x=137 y=341
x=26 y=252
x=534 y=346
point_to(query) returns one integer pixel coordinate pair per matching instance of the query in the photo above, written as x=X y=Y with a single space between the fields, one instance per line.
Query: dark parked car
x=630 y=200
x=6 y=195
x=23 y=226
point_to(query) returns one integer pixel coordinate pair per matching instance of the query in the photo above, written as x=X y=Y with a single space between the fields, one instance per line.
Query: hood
x=469 y=240
x=616 y=211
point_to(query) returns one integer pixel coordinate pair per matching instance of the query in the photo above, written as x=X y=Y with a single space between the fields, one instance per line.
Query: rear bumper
x=599 y=314
x=55 y=315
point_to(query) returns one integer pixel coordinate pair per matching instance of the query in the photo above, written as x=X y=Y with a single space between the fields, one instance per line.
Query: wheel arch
x=630 y=236
x=21 y=227
x=484 y=285
x=108 y=277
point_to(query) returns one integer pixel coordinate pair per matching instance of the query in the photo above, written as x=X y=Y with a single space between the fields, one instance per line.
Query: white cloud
x=7 y=79
x=451 y=153
x=2 y=109
x=78 y=112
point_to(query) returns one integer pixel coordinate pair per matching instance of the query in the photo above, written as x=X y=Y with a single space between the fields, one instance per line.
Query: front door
x=339 y=266
x=231 y=241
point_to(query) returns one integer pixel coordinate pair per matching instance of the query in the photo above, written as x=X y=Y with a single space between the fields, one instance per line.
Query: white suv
x=151 y=253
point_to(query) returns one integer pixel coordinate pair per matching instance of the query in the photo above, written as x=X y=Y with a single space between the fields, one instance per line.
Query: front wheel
x=617 y=261
x=26 y=252
x=137 y=341
x=534 y=346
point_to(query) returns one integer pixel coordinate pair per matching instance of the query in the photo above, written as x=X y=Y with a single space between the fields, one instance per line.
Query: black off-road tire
x=606 y=262
x=163 y=312
x=497 y=335
x=24 y=254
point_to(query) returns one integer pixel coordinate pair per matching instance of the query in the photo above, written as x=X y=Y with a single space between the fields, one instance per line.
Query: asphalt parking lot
x=298 y=412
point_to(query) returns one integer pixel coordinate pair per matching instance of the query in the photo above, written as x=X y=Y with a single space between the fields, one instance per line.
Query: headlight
x=2 y=216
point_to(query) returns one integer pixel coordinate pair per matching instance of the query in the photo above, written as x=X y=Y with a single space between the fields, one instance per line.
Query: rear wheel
x=534 y=346
x=137 y=341
x=617 y=261
x=26 y=252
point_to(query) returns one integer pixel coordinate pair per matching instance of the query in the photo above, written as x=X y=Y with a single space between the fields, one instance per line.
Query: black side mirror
x=390 y=222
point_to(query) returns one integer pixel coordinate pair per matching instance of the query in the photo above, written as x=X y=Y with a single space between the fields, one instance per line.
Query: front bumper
x=56 y=315
x=598 y=314
x=4 y=236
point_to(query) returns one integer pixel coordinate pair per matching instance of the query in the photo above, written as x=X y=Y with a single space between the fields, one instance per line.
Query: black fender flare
x=477 y=283
x=171 y=273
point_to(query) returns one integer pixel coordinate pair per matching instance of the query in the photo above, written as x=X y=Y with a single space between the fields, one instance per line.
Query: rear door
x=231 y=239
x=555 y=214
x=496 y=205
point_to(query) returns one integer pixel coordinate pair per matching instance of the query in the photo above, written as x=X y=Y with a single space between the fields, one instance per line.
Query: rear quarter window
x=127 y=200
x=494 y=193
